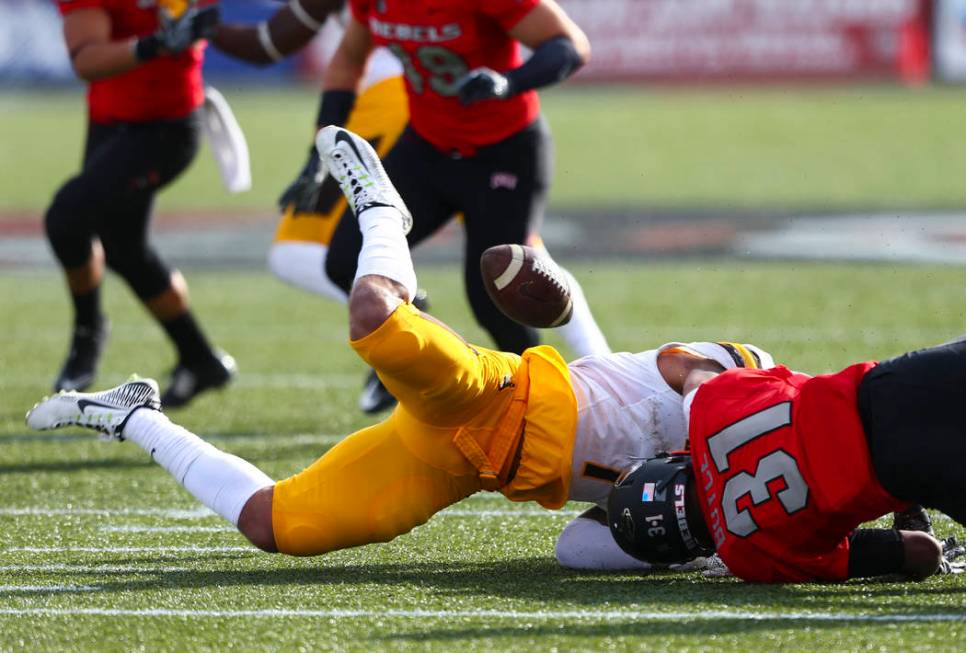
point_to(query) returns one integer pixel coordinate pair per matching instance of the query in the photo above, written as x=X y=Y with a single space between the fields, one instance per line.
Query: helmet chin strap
x=699 y=530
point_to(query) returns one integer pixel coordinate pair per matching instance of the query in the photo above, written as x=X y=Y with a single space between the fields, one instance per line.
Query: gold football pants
x=458 y=429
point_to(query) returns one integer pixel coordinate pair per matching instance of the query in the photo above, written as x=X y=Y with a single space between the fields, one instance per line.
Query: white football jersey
x=626 y=411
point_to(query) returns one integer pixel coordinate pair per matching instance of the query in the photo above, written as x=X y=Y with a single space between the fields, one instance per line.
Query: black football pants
x=913 y=409
x=111 y=199
x=501 y=192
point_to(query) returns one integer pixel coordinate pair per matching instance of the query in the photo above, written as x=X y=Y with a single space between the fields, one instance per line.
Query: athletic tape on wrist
x=303 y=16
x=265 y=40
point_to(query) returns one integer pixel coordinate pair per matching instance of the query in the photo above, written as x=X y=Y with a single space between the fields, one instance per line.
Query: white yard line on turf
x=49 y=588
x=167 y=529
x=547 y=615
x=92 y=569
x=130 y=549
x=202 y=513
x=165 y=513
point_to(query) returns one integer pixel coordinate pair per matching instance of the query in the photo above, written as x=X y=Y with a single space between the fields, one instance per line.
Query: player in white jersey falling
x=313 y=206
x=469 y=419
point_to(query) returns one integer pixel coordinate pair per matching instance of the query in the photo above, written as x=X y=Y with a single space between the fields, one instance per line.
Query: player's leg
x=416 y=356
x=228 y=485
x=302 y=264
x=503 y=192
x=410 y=164
x=586 y=544
x=299 y=252
x=70 y=224
x=413 y=166
x=582 y=333
x=368 y=488
x=911 y=408
x=154 y=155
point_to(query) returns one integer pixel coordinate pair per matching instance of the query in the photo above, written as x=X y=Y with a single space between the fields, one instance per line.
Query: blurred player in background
x=142 y=62
x=531 y=427
x=503 y=188
x=298 y=252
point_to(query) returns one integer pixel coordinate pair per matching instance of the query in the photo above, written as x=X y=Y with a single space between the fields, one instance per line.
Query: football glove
x=178 y=34
x=303 y=193
x=952 y=552
x=716 y=568
x=482 y=84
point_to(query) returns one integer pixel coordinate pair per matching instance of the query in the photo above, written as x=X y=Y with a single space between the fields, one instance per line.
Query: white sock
x=385 y=252
x=219 y=480
x=302 y=264
x=582 y=333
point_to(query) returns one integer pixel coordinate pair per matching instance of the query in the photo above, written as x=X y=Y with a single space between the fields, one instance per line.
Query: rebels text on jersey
x=783 y=471
x=164 y=88
x=439 y=41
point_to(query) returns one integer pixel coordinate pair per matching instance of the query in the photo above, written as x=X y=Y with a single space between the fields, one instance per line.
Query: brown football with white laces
x=526 y=285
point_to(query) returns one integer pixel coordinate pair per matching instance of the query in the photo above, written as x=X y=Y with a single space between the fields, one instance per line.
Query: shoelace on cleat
x=128 y=395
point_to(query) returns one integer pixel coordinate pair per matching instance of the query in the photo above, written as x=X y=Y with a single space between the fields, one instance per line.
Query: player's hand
x=952 y=563
x=482 y=84
x=178 y=34
x=715 y=567
x=304 y=191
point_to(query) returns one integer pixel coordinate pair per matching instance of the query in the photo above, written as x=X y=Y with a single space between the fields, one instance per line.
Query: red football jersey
x=163 y=88
x=438 y=41
x=784 y=473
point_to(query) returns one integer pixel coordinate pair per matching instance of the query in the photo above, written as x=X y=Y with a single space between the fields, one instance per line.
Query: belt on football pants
x=497 y=466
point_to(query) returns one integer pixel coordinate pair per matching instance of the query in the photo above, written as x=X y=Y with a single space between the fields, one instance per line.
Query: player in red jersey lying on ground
x=785 y=467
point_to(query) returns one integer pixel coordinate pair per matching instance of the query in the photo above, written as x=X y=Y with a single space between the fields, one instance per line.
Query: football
x=526 y=285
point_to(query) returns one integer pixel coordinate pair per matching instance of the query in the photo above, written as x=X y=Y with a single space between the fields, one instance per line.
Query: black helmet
x=648 y=513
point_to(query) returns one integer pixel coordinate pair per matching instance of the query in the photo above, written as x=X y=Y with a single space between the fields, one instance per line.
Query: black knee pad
x=141 y=268
x=68 y=227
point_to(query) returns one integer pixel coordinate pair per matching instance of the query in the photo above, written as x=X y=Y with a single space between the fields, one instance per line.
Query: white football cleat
x=355 y=165
x=106 y=412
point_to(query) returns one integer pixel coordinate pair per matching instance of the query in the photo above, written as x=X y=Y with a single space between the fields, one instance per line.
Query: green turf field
x=100 y=550
x=833 y=148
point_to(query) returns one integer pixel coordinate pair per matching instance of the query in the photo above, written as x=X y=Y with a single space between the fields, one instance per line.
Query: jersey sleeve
x=360 y=10
x=67 y=6
x=507 y=12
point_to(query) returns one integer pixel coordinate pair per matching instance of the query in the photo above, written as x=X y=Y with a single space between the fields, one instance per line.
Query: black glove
x=952 y=551
x=482 y=84
x=178 y=34
x=304 y=191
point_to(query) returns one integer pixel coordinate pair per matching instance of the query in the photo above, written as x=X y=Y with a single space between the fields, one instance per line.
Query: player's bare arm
x=548 y=21
x=677 y=367
x=879 y=552
x=694 y=377
x=87 y=34
x=95 y=55
x=289 y=30
x=348 y=63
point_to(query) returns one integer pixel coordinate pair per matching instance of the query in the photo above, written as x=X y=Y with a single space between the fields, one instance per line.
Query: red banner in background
x=728 y=40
